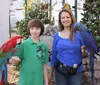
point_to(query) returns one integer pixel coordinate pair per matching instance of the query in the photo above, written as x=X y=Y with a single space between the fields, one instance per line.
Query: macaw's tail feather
x=2 y=79
x=5 y=74
x=92 y=69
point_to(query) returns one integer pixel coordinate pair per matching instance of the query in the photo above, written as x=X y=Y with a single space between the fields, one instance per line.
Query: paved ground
x=12 y=76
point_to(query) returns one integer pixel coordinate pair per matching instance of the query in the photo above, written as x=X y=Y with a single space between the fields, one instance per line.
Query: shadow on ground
x=10 y=84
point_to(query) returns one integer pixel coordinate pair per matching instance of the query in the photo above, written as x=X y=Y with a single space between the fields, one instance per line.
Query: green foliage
x=22 y=27
x=91 y=17
x=34 y=12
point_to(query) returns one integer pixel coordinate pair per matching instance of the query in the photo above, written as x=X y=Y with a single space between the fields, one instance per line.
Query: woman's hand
x=14 y=60
x=83 y=50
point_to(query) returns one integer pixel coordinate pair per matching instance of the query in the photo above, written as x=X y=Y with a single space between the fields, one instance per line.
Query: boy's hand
x=14 y=60
x=49 y=80
x=46 y=84
x=50 y=75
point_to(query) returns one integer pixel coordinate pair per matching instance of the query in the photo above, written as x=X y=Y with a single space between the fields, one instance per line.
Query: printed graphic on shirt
x=40 y=53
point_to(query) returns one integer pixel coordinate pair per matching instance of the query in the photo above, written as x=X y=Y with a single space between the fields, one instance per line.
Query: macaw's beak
x=19 y=41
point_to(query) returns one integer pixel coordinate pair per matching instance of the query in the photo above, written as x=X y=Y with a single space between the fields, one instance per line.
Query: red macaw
x=6 y=51
x=10 y=44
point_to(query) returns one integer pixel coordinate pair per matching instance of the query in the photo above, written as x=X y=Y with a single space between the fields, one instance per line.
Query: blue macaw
x=90 y=44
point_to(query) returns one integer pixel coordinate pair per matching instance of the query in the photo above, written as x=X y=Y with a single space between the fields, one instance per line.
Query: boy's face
x=35 y=32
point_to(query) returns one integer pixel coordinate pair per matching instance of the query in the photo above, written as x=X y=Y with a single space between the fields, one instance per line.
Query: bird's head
x=10 y=44
x=80 y=27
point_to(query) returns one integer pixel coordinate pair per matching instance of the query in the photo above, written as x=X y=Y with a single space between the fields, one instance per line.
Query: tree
x=91 y=17
x=33 y=12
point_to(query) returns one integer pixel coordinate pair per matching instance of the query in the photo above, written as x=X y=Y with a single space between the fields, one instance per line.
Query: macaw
x=90 y=44
x=6 y=51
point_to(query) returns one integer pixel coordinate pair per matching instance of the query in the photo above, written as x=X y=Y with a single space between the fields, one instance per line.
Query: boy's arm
x=45 y=70
x=45 y=75
x=54 y=54
x=50 y=75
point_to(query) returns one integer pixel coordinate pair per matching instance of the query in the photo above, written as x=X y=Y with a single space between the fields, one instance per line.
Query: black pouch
x=64 y=69
x=73 y=71
x=56 y=63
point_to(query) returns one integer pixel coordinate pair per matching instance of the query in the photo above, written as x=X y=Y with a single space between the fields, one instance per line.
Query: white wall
x=4 y=21
x=17 y=12
x=80 y=9
x=58 y=7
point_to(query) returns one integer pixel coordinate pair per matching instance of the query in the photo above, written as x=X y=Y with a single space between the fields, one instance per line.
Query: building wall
x=58 y=7
x=4 y=21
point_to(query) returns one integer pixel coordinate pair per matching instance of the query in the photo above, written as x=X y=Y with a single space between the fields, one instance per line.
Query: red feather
x=10 y=44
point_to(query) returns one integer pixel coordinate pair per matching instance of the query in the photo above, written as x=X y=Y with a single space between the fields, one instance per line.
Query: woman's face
x=66 y=19
x=35 y=32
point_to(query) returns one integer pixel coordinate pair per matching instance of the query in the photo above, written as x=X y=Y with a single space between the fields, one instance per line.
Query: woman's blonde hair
x=61 y=27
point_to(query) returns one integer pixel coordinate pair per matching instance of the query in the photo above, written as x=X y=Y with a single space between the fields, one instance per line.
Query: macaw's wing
x=4 y=60
x=10 y=44
x=7 y=55
x=92 y=47
x=94 y=44
x=88 y=41
x=87 y=37
x=2 y=55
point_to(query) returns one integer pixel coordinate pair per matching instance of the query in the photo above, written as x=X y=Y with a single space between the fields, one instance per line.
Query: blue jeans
x=68 y=80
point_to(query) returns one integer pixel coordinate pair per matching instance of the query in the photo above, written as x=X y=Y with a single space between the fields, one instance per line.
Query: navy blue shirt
x=67 y=51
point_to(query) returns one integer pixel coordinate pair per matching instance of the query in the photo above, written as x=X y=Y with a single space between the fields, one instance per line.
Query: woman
x=67 y=50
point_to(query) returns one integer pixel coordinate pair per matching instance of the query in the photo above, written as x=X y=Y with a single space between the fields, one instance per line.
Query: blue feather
x=4 y=60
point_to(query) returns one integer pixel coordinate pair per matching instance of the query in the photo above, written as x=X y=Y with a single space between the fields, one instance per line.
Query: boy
x=33 y=57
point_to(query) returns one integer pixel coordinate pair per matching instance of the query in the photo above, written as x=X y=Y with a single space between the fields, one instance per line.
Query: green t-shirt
x=33 y=56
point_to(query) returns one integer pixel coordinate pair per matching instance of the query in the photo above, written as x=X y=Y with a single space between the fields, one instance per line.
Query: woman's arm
x=45 y=75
